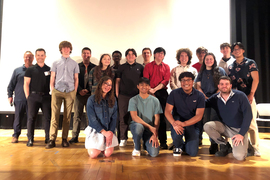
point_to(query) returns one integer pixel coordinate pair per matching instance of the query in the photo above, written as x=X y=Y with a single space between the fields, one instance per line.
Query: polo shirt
x=40 y=78
x=146 y=108
x=129 y=75
x=64 y=69
x=16 y=84
x=81 y=76
x=235 y=112
x=157 y=73
x=185 y=105
x=240 y=74
x=207 y=81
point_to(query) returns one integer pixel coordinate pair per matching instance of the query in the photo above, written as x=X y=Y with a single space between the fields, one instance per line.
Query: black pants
x=34 y=102
x=162 y=96
x=124 y=116
x=20 y=110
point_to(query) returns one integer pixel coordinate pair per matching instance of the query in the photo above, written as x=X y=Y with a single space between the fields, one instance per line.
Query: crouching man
x=235 y=114
x=144 y=110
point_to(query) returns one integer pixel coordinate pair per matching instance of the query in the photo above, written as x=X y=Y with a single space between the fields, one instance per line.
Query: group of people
x=216 y=98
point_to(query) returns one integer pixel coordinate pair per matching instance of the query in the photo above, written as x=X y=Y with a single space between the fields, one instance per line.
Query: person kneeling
x=102 y=116
x=144 y=110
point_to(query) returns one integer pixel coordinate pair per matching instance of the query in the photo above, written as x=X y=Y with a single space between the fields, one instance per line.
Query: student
x=102 y=115
x=144 y=110
x=227 y=59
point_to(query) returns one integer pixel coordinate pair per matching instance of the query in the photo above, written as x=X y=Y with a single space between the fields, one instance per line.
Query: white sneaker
x=257 y=153
x=136 y=153
x=123 y=143
x=177 y=152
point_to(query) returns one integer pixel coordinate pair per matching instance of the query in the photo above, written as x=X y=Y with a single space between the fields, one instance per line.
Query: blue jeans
x=191 y=144
x=140 y=132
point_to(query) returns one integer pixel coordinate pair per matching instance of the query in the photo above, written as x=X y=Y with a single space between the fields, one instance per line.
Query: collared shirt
x=82 y=76
x=101 y=116
x=16 y=84
x=65 y=69
x=235 y=112
x=185 y=105
x=175 y=73
x=130 y=75
x=40 y=78
x=157 y=74
x=225 y=64
x=241 y=74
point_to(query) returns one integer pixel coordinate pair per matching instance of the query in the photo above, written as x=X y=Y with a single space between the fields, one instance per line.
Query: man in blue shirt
x=64 y=85
x=144 y=110
x=20 y=103
x=184 y=108
x=234 y=124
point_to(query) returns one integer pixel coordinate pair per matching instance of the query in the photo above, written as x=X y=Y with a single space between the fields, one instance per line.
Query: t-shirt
x=146 y=108
x=207 y=81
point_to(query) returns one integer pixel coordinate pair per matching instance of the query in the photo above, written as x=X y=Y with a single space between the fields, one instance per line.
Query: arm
x=172 y=79
x=153 y=139
x=255 y=82
x=76 y=81
x=117 y=84
x=158 y=87
x=11 y=87
x=92 y=117
x=198 y=116
x=52 y=82
x=177 y=125
x=26 y=88
x=198 y=87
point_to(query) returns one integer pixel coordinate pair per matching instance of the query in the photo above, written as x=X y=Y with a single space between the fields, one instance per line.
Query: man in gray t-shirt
x=144 y=110
x=64 y=84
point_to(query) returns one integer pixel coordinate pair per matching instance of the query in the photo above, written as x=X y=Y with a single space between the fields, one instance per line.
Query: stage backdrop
x=105 y=26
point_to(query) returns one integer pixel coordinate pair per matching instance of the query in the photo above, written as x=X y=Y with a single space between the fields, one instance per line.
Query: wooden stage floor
x=21 y=162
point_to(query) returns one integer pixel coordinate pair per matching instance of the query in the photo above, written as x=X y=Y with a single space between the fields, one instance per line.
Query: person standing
x=19 y=101
x=64 y=84
x=36 y=90
x=146 y=54
x=83 y=92
x=200 y=52
x=245 y=77
x=159 y=75
x=227 y=59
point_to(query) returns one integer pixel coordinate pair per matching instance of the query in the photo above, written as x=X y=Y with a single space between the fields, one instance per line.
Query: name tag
x=47 y=73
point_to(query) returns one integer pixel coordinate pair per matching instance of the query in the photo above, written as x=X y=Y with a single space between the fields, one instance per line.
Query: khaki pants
x=57 y=99
x=253 y=128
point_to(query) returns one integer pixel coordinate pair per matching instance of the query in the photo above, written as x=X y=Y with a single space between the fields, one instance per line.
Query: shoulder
x=198 y=93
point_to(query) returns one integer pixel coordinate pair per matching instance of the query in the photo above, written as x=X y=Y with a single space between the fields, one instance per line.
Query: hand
x=152 y=91
x=250 y=98
x=10 y=100
x=178 y=129
x=153 y=130
x=178 y=123
x=82 y=92
x=154 y=141
x=108 y=135
x=86 y=91
x=237 y=139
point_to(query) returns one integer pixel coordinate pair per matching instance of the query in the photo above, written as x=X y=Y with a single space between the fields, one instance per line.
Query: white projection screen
x=108 y=25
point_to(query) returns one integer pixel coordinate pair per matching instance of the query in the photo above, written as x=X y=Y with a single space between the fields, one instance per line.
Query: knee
x=138 y=129
x=208 y=127
x=108 y=152
x=154 y=152
x=239 y=156
x=93 y=153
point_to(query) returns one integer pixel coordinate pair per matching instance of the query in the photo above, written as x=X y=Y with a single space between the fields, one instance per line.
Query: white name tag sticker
x=47 y=73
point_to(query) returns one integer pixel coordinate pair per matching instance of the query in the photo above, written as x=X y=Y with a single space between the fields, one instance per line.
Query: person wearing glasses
x=184 y=108
x=101 y=110
x=245 y=77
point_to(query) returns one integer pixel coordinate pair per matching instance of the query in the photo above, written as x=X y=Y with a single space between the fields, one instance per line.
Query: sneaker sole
x=176 y=154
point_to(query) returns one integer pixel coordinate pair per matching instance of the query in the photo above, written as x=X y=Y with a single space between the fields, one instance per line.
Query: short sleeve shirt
x=146 y=108
x=40 y=78
x=185 y=105
x=65 y=69
x=241 y=74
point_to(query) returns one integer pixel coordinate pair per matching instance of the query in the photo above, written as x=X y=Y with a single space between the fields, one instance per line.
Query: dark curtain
x=250 y=24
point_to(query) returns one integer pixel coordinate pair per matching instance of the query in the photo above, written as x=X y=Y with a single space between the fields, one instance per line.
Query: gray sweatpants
x=219 y=132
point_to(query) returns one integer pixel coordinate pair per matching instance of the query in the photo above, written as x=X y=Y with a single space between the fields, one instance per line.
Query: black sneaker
x=163 y=146
x=213 y=148
x=74 y=140
x=177 y=152
x=224 y=150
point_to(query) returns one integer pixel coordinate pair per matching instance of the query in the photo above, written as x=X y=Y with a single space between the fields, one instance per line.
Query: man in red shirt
x=200 y=52
x=159 y=74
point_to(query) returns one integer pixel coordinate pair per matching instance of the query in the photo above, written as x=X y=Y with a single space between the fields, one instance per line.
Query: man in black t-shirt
x=36 y=89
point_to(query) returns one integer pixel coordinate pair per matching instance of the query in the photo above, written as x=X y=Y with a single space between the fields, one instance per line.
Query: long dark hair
x=214 y=71
x=97 y=70
x=109 y=96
